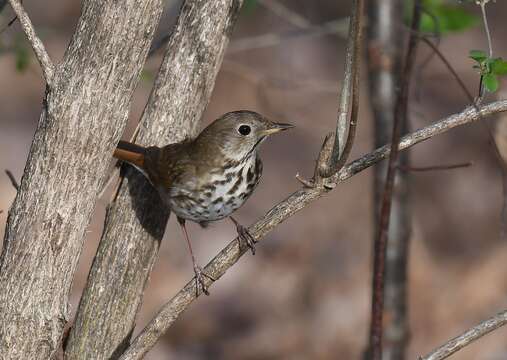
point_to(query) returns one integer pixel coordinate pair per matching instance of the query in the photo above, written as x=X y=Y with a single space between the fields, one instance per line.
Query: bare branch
x=469 y=336
x=37 y=45
x=349 y=96
x=281 y=212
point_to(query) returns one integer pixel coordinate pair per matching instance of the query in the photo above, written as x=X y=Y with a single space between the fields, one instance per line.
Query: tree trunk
x=83 y=117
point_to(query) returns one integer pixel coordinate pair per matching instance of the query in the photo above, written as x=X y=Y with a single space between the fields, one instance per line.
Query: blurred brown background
x=305 y=295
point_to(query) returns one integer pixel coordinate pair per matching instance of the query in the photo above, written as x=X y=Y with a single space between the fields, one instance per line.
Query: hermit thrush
x=207 y=178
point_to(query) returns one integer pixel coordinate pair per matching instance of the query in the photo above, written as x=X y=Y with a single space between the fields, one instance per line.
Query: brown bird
x=207 y=178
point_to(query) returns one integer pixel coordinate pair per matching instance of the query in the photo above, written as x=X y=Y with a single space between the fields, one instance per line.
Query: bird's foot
x=245 y=235
x=200 y=283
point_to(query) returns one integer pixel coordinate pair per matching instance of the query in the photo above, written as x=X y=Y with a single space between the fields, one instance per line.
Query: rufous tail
x=131 y=153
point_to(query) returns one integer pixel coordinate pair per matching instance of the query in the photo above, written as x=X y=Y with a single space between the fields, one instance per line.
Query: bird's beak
x=277 y=127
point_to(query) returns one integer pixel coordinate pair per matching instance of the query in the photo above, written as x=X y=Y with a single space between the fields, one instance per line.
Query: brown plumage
x=207 y=178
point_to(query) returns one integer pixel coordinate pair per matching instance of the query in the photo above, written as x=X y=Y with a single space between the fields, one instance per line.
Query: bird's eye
x=244 y=130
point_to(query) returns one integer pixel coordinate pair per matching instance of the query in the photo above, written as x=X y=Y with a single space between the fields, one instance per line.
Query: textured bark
x=385 y=59
x=83 y=116
x=295 y=202
x=136 y=220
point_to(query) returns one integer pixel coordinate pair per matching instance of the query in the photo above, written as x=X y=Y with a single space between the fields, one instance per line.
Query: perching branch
x=37 y=45
x=469 y=336
x=349 y=96
x=281 y=212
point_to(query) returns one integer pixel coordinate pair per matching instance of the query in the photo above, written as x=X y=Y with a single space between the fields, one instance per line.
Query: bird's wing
x=167 y=165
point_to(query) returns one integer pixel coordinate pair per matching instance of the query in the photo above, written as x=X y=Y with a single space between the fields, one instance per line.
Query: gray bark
x=385 y=59
x=136 y=219
x=83 y=116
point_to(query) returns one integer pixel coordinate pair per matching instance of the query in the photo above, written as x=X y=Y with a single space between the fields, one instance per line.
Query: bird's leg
x=199 y=273
x=245 y=235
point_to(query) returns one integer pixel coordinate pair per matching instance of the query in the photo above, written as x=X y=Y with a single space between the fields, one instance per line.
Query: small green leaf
x=490 y=82
x=478 y=55
x=499 y=67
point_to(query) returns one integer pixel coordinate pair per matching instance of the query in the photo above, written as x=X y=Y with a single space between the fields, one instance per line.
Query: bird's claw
x=200 y=283
x=247 y=237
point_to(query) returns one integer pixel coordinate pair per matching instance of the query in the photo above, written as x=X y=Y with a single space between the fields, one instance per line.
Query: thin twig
x=437 y=34
x=482 y=4
x=281 y=212
x=349 y=96
x=9 y=24
x=449 y=67
x=37 y=45
x=469 y=336
x=12 y=179
x=435 y=167
x=486 y=27
x=376 y=326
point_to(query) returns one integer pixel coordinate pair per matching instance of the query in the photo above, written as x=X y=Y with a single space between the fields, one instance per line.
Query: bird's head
x=239 y=133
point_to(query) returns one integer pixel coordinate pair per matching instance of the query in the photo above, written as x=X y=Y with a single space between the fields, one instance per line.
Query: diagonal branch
x=37 y=45
x=281 y=212
x=468 y=337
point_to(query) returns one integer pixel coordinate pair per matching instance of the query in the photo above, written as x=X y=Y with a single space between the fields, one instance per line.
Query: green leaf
x=478 y=55
x=22 y=57
x=443 y=18
x=490 y=82
x=499 y=67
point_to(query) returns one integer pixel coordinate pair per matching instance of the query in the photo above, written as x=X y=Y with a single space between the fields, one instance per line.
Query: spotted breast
x=224 y=191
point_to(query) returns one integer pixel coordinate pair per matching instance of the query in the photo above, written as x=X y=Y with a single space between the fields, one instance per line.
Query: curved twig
x=349 y=96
